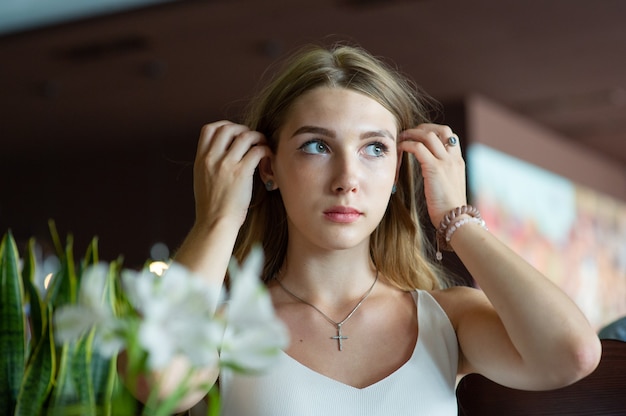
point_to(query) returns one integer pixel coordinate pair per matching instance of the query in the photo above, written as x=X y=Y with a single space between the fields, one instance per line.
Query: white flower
x=45 y=268
x=177 y=312
x=254 y=334
x=71 y=321
x=176 y=317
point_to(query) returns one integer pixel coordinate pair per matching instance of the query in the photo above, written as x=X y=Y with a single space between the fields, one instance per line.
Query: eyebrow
x=330 y=133
x=315 y=130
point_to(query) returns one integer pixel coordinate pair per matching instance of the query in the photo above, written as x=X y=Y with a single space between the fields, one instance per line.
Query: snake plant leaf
x=84 y=378
x=91 y=255
x=28 y=268
x=104 y=369
x=38 y=316
x=61 y=291
x=73 y=387
x=62 y=288
x=36 y=307
x=12 y=325
x=56 y=240
x=81 y=374
x=72 y=374
x=39 y=374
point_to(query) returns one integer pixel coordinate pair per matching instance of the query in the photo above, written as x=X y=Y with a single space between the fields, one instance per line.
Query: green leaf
x=62 y=288
x=103 y=373
x=73 y=389
x=38 y=317
x=91 y=255
x=62 y=388
x=37 y=309
x=214 y=401
x=56 y=241
x=39 y=375
x=104 y=370
x=84 y=378
x=12 y=325
x=28 y=270
x=74 y=386
x=81 y=374
x=123 y=403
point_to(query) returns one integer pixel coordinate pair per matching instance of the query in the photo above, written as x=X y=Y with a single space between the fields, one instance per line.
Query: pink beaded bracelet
x=448 y=226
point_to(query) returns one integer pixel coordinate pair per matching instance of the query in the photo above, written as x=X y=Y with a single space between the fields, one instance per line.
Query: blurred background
x=101 y=104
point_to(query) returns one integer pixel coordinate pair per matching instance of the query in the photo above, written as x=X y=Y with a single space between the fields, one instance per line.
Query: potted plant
x=60 y=345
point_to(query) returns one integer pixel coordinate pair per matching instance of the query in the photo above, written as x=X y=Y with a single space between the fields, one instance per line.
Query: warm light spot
x=158 y=267
x=46 y=280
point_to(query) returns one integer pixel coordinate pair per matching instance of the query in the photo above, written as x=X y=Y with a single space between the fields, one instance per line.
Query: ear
x=266 y=169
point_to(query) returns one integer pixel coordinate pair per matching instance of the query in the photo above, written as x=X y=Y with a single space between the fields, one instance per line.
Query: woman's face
x=335 y=166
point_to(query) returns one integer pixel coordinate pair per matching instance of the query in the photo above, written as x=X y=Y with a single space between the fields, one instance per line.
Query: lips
x=342 y=214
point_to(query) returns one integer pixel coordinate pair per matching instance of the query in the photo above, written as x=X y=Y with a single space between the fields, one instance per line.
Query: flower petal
x=92 y=284
x=254 y=349
x=71 y=321
x=109 y=339
x=254 y=334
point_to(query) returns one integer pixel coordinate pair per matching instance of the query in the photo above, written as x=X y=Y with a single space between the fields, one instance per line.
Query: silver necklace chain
x=339 y=337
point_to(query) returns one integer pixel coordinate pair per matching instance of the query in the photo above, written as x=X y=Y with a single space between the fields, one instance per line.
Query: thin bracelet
x=452 y=214
x=453 y=227
x=445 y=230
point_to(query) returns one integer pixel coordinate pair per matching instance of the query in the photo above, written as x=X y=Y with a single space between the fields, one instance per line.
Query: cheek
x=384 y=174
x=297 y=181
x=291 y=167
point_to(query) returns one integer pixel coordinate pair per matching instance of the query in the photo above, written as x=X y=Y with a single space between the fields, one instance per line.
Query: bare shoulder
x=460 y=301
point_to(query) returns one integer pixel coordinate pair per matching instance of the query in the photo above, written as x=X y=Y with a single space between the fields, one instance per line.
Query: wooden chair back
x=601 y=393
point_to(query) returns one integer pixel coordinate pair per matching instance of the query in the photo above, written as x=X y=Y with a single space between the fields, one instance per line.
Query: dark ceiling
x=128 y=83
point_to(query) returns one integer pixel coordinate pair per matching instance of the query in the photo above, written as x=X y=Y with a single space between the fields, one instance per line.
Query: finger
x=223 y=138
x=439 y=139
x=441 y=130
x=206 y=134
x=253 y=156
x=452 y=142
x=243 y=143
x=422 y=153
x=423 y=142
x=449 y=139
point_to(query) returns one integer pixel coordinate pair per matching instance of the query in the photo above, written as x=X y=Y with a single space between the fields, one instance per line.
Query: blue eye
x=376 y=149
x=314 y=147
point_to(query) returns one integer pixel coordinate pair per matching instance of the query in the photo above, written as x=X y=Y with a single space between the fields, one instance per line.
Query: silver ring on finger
x=452 y=141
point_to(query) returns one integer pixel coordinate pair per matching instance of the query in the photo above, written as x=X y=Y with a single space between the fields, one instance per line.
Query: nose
x=346 y=174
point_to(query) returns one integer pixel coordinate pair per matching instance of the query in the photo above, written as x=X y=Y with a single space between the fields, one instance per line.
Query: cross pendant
x=339 y=337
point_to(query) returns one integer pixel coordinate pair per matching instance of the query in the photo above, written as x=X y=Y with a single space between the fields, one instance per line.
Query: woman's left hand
x=443 y=167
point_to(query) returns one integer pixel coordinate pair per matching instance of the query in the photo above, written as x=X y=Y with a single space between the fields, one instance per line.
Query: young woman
x=332 y=171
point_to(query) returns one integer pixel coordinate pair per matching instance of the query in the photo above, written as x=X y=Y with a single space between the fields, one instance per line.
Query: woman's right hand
x=226 y=159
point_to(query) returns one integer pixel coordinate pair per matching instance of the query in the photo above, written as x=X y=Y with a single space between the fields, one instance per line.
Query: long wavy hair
x=398 y=247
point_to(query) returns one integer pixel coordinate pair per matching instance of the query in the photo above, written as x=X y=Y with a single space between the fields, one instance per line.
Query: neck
x=331 y=278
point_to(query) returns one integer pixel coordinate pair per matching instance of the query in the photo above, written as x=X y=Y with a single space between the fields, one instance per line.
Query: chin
x=344 y=243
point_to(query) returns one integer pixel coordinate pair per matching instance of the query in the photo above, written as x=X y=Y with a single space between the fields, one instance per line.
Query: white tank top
x=424 y=385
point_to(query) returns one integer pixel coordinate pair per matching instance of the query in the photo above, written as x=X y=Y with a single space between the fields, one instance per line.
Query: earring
x=394 y=188
x=269 y=185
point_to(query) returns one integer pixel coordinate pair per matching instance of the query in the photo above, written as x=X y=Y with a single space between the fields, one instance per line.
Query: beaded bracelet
x=448 y=226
